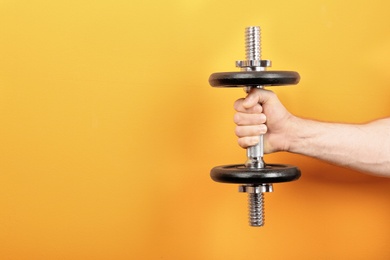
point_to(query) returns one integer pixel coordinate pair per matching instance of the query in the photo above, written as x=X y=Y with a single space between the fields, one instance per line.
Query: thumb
x=257 y=95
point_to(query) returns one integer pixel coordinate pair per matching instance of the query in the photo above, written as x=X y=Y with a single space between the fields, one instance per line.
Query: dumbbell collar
x=244 y=64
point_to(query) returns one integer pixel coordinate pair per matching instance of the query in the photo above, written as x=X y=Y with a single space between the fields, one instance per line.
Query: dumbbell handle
x=255 y=153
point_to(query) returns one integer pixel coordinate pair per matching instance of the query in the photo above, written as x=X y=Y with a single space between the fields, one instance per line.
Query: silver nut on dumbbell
x=253 y=63
x=265 y=187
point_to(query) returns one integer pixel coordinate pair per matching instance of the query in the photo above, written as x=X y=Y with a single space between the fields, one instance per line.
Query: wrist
x=294 y=135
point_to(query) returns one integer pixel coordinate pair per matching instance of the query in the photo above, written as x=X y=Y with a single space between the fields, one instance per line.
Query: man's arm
x=363 y=147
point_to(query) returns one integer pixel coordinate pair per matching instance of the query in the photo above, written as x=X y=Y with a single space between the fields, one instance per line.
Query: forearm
x=364 y=147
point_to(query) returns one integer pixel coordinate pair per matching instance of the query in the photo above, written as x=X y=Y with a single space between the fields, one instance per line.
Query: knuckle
x=237 y=131
x=241 y=143
x=238 y=104
x=237 y=118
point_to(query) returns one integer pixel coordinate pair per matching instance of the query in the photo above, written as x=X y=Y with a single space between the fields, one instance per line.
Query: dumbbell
x=254 y=177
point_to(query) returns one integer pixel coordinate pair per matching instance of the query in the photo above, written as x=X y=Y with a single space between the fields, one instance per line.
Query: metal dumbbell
x=254 y=176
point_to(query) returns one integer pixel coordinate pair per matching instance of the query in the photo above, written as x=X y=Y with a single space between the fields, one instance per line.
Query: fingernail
x=263 y=129
x=263 y=118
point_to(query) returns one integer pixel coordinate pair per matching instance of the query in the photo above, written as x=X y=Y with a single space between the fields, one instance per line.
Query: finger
x=251 y=130
x=256 y=95
x=239 y=107
x=248 y=141
x=249 y=119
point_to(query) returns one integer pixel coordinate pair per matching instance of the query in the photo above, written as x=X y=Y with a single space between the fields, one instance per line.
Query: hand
x=260 y=113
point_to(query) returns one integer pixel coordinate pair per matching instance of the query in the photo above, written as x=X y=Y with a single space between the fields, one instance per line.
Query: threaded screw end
x=253 y=43
x=256 y=209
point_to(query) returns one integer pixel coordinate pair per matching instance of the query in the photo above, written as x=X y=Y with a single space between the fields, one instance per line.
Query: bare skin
x=362 y=147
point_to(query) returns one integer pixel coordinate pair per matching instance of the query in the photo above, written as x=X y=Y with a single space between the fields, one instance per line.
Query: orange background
x=108 y=129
